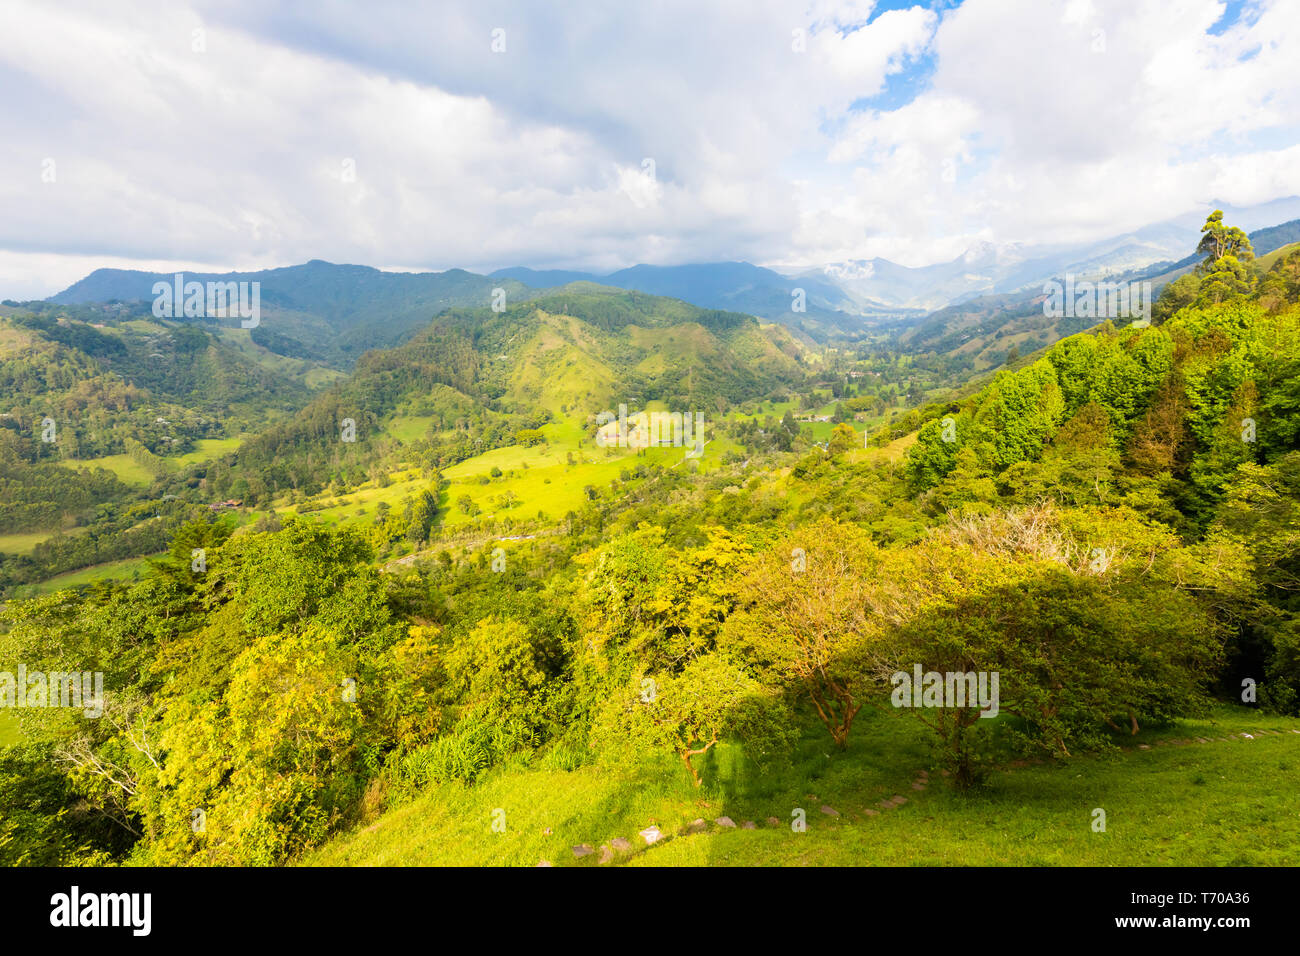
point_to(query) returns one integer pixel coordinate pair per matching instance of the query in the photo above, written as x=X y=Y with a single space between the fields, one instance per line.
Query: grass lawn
x=135 y=474
x=125 y=570
x=121 y=465
x=23 y=542
x=408 y=428
x=894 y=452
x=1225 y=802
x=205 y=449
x=322 y=377
x=550 y=484
x=539 y=477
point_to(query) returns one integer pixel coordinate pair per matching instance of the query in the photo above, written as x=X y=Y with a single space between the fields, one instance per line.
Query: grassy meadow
x=127 y=569
x=540 y=478
x=1168 y=798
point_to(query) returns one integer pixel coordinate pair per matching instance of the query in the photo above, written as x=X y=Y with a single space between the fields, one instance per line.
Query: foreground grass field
x=1218 y=803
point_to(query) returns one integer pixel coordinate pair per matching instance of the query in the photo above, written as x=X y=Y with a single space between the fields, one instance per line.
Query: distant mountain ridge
x=347 y=308
x=336 y=312
x=989 y=268
x=360 y=307
x=733 y=286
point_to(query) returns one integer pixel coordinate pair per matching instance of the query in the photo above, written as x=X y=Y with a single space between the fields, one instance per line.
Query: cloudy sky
x=252 y=133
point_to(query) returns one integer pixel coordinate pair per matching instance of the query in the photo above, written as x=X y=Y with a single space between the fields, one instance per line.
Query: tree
x=1022 y=411
x=497 y=672
x=1160 y=434
x=1082 y=637
x=307 y=571
x=1218 y=241
x=1176 y=295
x=203 y=536
x=934 y=455
x=1260 y=514
x=843 y=438
x=803 y=622
x=1225 y=448
x=270 y=764
x=420 y=517
x=1229 y=279
x=690 y=712
x=1226 y=271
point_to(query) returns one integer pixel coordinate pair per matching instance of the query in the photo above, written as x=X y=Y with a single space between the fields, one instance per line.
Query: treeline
x=45 y=496
x=116 y=534
x=1143 y=414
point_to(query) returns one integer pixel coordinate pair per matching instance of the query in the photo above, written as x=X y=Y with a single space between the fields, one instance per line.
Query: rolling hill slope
x=983 y=329
x=475 y=378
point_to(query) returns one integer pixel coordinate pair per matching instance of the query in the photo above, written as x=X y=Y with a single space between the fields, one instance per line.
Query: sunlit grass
x=127 y=569
x=539 y=477
x=205 y=449
x=1219 y=803
x=10 y=732
x=23 y=542
x=126 y=468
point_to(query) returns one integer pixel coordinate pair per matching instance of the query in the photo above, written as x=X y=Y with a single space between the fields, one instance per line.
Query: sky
x=246 y=134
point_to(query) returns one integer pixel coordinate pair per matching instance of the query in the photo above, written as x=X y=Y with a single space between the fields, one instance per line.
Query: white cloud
x=1055 y=137
x=235 y=155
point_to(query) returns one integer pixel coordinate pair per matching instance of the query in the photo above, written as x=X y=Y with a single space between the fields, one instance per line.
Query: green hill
x=318 y=310
x=476 y=378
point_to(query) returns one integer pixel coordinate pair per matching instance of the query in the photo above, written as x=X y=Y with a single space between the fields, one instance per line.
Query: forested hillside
x=104 y=414
x=479 y=378
x=985 y=331
x=319 y=310
x=471 y=599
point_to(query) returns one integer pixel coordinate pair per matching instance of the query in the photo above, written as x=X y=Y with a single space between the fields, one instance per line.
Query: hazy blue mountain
x=735 y=286
x=1265 y=241
x=989 y=268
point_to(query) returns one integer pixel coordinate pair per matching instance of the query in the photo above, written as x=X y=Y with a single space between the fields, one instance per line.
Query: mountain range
x=333 y=313
x=989 y=268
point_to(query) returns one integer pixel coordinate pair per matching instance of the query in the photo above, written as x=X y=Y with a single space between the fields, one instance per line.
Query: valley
x=440 y=527
x=855 y=441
